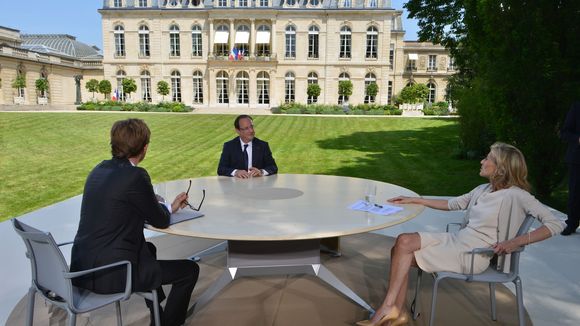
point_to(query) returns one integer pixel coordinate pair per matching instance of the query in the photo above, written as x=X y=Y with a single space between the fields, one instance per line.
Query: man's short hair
x=240 y=117
x=129 y=137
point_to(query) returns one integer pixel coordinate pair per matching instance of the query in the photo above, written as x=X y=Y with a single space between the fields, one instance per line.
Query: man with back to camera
x=570 y=133
x=246 y=156
x=118 y=200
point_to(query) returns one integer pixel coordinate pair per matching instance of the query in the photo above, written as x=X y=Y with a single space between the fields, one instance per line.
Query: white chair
x=491 y=275
x=53 y=280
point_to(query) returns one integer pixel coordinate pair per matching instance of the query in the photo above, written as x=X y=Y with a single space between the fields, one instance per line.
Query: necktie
x=245 y=156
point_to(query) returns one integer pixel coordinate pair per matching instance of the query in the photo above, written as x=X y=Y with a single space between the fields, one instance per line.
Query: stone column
x=253 y=38
x=232 y=34
x=273 y=38
x=78 y=79
x=211 y=36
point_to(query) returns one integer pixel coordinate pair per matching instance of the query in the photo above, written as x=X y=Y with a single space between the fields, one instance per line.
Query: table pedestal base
x=258 y=258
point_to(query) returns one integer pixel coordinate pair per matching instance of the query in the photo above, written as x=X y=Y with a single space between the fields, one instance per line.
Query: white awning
x=242 y=37
x=221 y=37
x=263 y=37
x=413 y=56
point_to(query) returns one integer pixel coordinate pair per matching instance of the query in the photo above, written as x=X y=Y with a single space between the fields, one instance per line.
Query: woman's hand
x=505 y=247
x=179 y=202
x=403 y=200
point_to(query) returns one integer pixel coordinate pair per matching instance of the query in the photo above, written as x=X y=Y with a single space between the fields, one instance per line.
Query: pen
x=379 y=206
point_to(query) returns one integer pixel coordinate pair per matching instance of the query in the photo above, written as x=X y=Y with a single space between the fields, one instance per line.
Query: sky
x=80 y=18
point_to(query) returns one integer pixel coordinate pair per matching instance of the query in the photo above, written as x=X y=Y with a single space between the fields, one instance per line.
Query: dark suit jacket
x=118 y=200
x=570 y=133
x=233 y=157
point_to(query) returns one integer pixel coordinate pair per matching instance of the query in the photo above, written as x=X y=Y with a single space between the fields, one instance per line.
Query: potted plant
x=163 y=88
x=92 y=86
x=41 y=85
x=19 y=84
x=105 y=88
x=372 y=90
x=313 y=92
x=344 y=91
x=129 y=86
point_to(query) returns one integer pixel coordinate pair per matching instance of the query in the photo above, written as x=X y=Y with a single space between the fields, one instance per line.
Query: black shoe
x=568 y=230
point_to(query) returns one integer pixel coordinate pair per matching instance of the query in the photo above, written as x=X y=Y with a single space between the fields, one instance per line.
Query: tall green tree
x=129 y=86
x=518 y=73
x=163 y=88
x=105 y=88
x=92 y=86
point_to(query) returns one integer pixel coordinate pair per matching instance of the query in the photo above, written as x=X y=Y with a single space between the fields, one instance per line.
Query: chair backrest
x=46 y=260
x=515 y=256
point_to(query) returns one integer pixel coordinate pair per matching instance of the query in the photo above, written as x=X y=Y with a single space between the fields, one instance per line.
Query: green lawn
x=45 y=157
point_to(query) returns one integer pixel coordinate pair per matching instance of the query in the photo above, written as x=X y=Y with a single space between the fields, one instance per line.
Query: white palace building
x=233 y=53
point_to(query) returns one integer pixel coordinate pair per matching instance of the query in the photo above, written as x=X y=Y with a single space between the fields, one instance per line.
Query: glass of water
x=371 y=193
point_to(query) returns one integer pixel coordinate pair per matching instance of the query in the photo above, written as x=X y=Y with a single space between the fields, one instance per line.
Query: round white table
x=274 y=224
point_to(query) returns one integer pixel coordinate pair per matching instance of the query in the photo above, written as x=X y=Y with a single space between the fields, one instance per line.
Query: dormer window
x=373 y=3
x=264 y=3
x=172 y=3
x=117 y=3
x=314 y=2
x=242 y=3
x=143 y=3
x=291 y=2
x=347 y=3
x=222 y=3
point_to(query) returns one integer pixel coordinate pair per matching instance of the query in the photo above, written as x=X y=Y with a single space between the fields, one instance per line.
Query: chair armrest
x=448 y=224
x=477 y=251
x=128 y=281
x=64 y=243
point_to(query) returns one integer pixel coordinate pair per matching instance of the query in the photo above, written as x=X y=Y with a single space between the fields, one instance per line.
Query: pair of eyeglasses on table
x=200 y=203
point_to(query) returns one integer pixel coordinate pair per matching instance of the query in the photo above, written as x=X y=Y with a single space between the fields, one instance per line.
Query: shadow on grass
x=422 y=160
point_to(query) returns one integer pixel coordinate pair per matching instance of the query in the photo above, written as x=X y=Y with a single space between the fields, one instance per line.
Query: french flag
x=234 y=54
x=115 y=95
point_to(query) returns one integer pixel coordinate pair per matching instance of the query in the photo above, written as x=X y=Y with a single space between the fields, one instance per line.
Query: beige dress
x=491 y=217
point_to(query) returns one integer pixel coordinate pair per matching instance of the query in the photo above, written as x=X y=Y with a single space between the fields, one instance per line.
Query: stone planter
x=43 y=100
x=412 y=110
x=18 y=100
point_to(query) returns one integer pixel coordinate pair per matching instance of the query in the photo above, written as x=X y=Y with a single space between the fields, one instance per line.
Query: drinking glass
x=371 y=193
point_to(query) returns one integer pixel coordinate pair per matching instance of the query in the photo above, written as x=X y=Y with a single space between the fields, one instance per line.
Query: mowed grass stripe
x=45 y=157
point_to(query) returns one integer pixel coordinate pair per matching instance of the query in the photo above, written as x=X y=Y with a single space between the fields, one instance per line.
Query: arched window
x=291 y=2
x=145 y=86
x=119 y=41
x=222 y=80
x=432 y=92
x=174 y=46
x=370 y=78
x=372 y=42
x=242 y=41
x=196 y=45
x=144 y=44
x=195 y=3
x=119 y=94
x=263 y=41
x=242 y=85
x=290 y=42
x=343 y=77
x=197 y=87
x=289 y=88
x=314 y=2
x=312 y=79
x=410 y=83
x=221 y=41
x=313 y=41
x=263 y=83
x=345 y=42
x=175 y=86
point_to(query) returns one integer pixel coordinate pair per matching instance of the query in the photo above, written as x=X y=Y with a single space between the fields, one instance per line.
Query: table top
x=283 y=207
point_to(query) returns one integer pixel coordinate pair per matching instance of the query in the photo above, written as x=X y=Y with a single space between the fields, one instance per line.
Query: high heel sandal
x=392 y=315
x=403 y=319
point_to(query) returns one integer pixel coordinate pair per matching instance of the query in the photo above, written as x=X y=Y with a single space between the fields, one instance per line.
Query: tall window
x=221 y=45
x=432 y=92
x=195 y=3
x=312 y=79
x=372 y=42
x=314 y=2
x=432 y=63
x=343 y=77
x=222 y=87
x=222 y=3
x=347 y=3
x=291 y=2
x=263 y=83
x=370 y=78
x=289 y=88
x=21 y=90
x=451 y=65
x=345 y=42
x=143 y=3
x=242 y=85
x=145 y=86
x=313 y=42
x=290 y=42
x=263 y=3
x=174 y=47
x=120 y=76
x=119 y=41
x=176 y=86
x=144 y=41
x=263 y=41
x=196 y=47
x=390 y=92
x=242 y=40
x=117 y=3
x=197 y=87
x=392 y=55
x=372 y=3
x=242 y=3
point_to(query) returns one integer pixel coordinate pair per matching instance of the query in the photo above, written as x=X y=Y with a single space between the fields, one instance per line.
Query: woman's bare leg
x=402 y=258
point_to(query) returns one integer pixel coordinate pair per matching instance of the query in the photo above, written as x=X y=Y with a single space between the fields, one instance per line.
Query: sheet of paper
x=384 y=209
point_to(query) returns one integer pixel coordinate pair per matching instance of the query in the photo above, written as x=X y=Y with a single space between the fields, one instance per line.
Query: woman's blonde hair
x=511 y=169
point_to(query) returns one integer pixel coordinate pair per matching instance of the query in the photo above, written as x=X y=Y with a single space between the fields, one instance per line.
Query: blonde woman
x=495 y=211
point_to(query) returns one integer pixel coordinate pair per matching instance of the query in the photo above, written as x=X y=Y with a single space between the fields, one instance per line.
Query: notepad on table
x=184 y=216
x=365 y=206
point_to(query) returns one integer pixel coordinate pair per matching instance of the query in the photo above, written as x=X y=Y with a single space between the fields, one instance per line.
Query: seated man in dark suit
x=246 y=156
x=118 y=200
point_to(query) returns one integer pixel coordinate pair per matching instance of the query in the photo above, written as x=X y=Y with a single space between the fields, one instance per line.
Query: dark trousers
x=182 y=275
x=573 y=196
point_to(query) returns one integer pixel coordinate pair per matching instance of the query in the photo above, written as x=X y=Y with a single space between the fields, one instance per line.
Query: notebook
x=184 y=215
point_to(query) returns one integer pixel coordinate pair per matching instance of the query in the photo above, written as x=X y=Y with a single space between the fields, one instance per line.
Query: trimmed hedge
x=139 y=107
x=360 y=109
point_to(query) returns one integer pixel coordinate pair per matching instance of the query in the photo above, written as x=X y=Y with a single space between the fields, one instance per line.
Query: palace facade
x=236 y=53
